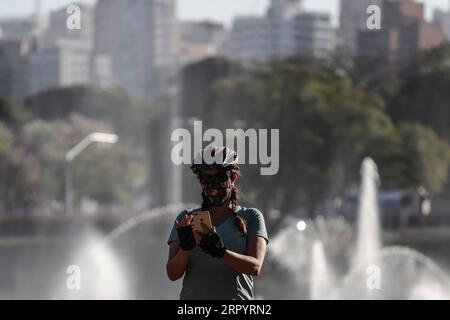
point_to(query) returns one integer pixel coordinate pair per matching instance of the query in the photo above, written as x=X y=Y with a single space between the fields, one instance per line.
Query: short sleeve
x=256 y=224
x=173 y=233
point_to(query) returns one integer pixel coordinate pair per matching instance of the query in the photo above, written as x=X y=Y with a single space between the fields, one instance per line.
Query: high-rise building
x=141 y=38
x=353 y=18
x=199 y=40
x=22 y=28
x=58 y=24
x=403 y=34
x=285 y=9
x=201 y=32
x=284 y=32
x=251 y=38
x=17 y=41
x=315 y=36
x=443 y=20
x=36 y=56
x=25 y=27
x=59 y=63
x=14 y=67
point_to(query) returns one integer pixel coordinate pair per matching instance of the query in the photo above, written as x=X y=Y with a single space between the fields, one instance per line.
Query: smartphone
x=199 y=218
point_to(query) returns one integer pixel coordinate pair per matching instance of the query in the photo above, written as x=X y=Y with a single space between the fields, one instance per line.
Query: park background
x=338 y=91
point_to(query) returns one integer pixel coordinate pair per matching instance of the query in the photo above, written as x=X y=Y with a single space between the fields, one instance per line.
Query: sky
x=218 y=10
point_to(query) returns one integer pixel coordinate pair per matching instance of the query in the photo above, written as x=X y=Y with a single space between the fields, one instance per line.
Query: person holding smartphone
x=221 y=262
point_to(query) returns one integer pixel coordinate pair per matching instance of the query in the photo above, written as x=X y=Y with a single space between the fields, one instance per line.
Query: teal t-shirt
x=207 y=278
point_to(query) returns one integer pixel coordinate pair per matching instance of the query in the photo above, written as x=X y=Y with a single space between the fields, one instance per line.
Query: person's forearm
x=176 y=266
x=242 y=263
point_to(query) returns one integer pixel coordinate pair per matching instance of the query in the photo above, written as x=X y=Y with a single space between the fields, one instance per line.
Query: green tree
x=19 y=175
x=422 y=94
x=12 y=113
x=109 y=175
x=327 y=127
x=128 y=116
x=426 y=157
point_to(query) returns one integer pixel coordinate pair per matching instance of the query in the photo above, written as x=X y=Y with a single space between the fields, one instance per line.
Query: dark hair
x=240 y=222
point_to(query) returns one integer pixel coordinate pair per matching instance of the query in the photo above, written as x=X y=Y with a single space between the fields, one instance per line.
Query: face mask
x=216 y=189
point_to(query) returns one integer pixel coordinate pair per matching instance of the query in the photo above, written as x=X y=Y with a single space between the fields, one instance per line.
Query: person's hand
x=211 y=243
x=185 y=234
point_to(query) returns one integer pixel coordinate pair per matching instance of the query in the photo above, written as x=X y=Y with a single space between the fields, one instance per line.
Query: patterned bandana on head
x=216 y=189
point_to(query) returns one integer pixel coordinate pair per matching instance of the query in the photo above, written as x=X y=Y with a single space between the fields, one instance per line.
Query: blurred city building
x=284 y=31
x=353 y=18
x=285 y=9
x=65 y=57
x=443 y=19
x=139 y=46
x=39 y=53
x=58 y=20
x=22 y=28
x=141 y=39
x=14 y=67
x=199 y=40
x=58 y=63
x=18 y=37
x=25 y=27
x=404 y=32
x=315 y=36
x=250 y=38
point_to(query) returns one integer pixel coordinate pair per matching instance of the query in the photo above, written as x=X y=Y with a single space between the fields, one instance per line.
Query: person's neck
x=220 y=213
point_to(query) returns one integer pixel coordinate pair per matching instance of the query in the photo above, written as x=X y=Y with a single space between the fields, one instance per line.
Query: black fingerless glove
x=186 y=238
x=213 y=245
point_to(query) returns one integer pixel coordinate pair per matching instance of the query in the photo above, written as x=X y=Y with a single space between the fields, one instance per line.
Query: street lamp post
x=98 y=137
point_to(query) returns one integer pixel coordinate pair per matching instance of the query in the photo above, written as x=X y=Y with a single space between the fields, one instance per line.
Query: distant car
x=397 y=208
